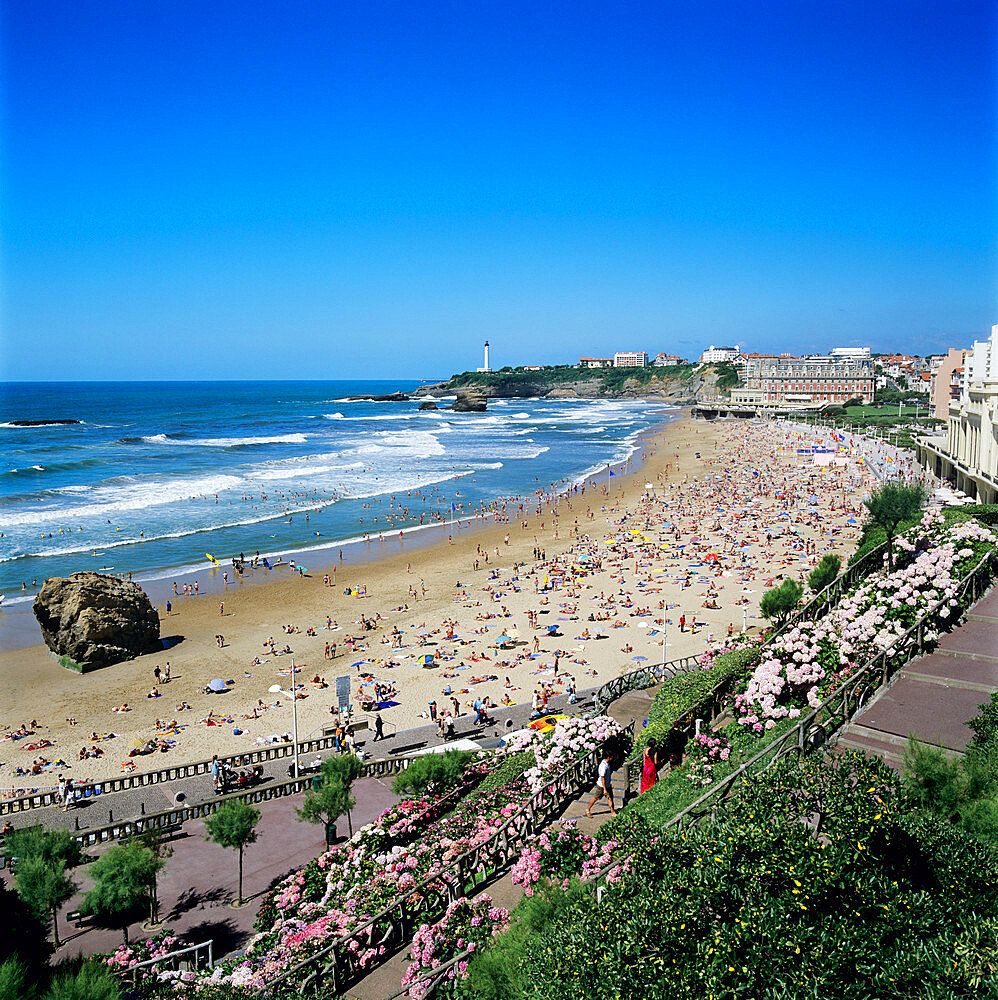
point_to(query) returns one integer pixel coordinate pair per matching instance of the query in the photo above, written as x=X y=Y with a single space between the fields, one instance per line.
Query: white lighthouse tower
x=485 y=367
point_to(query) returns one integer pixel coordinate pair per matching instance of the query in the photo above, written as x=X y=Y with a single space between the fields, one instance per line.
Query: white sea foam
x=226 y=442
x=115 y=500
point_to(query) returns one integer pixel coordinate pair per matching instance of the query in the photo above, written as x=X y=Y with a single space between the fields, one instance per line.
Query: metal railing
x=92 y=789
x=195 y=956
x=338 y=964
x=178 y=815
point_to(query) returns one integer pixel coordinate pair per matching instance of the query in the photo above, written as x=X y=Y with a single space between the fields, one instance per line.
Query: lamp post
x=277 y=689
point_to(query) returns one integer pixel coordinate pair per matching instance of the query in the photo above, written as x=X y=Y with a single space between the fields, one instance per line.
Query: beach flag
x=612 y=473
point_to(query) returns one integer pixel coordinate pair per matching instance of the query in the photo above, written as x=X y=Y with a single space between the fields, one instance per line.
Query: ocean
x=155 y=476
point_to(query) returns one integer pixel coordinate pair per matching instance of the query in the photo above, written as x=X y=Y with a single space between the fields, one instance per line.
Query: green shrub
x=433 y=772
x=985 y=725
x=884 y=904
x=780 y=603
x=14 y=980
x=92 y=981
x=49 y=844
x=500 y=970
x=509 y=770
x=986 y=513
x=825 y=572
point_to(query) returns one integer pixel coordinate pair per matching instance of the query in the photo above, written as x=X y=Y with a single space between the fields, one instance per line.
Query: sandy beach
x=582 y=585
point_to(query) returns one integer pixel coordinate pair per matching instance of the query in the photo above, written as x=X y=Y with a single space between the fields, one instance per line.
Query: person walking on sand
x=604 y=785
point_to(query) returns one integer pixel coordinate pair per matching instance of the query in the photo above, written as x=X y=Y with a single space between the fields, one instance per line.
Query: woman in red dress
x=649 y=767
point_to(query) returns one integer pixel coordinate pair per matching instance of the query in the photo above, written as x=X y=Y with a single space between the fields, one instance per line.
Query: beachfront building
x=968 y=455
x=718 y=355
x=810 y=381
x=849 y=352
x=668 y=360
x=595 y=362
x=947 y=381
x=630 y=359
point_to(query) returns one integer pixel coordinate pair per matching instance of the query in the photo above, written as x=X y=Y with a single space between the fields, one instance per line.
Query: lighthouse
x=485 y=367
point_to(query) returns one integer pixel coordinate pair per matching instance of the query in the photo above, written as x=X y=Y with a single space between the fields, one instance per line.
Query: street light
x=277 y=689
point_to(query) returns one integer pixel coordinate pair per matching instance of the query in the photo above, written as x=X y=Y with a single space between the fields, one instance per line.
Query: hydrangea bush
x=465 y=926
x=703 y=752
x=806 y=663
x=571 y=739
x=557 y=855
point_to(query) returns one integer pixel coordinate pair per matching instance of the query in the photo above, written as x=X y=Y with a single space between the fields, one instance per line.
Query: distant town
x=959 y=390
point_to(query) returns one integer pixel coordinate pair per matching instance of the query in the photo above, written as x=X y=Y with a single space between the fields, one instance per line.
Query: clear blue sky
x=333 y=190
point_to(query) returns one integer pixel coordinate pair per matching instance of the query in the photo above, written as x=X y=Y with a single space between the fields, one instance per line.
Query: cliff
x=680 y=384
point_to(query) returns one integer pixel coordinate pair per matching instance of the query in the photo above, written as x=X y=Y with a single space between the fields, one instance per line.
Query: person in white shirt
x=604 y=785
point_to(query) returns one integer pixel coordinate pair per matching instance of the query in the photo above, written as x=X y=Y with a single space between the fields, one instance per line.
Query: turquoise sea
x=156 y=475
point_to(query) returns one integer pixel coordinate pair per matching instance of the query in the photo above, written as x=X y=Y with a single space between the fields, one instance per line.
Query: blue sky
x=331 y=190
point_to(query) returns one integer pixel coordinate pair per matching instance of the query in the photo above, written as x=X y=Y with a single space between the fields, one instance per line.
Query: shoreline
x=19 y=628
x=473 y=600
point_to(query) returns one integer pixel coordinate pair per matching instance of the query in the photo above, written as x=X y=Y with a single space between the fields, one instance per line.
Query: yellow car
x=546 y=723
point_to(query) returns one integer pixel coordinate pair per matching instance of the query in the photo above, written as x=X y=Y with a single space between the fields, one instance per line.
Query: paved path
x=198 y=885
x=934 y=697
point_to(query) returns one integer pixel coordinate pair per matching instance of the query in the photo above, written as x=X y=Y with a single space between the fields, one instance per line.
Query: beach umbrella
x=216 y=685
x=504 y=638
x=426 y=660
x=358 y=663
x=138 y=744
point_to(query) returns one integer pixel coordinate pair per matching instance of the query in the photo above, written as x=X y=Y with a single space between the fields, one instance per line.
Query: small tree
x=123 y=881
x=825 y=572
x=38 y=841
x=892 y=504
x=779 y=603
x=155 y=841
x=43 y=887
x=327 y=804
x=233 y=825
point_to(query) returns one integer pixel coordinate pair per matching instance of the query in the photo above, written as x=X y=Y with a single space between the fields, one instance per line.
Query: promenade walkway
x=933 y=698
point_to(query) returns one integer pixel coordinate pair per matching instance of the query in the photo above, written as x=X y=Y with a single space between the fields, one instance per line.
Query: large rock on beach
x=96 y=620
x=428 y=405
x=470 y=401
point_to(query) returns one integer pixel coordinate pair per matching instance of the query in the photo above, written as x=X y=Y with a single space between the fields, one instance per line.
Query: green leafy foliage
x=880 y=901
x=123 y=880
x=512 y=767
x=962 y=791
x=93 y=980
x=825 y=572
x=435 y=773
x=47 y=843
x=893 y=504
x=500 y=971
x=44 y=887
x=15 y=981
x=780 y=603
x=233 y=826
